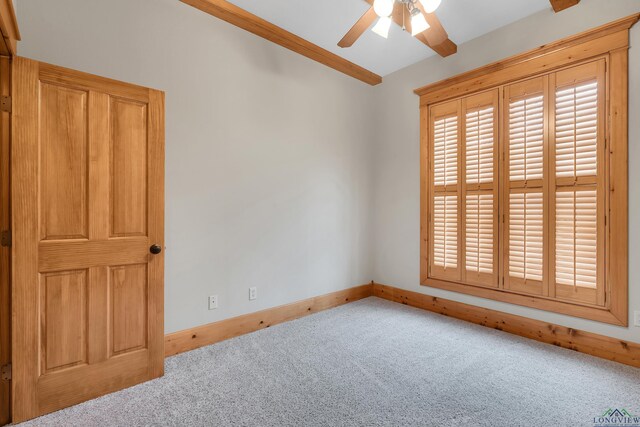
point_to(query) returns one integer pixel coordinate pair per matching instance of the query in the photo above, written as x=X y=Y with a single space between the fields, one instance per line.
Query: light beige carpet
x=370 y=363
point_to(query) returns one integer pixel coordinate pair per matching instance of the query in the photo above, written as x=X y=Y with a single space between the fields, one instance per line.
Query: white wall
x=282 y=173
x=268 y=178
x=397 y=164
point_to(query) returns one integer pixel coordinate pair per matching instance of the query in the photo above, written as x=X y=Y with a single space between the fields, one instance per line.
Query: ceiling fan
x=414 y=16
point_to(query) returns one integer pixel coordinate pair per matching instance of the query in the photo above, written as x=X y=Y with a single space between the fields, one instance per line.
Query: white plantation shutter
x=526 y=138
x=479 y=145
x=576 y=130
x=479 y=233
x=576 y=238
x=445 y=151
x=445 y=231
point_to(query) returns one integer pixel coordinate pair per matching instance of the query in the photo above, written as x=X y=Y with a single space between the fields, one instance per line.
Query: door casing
x=5 y=248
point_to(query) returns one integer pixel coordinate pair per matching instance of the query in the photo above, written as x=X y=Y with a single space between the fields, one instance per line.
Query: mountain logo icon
x=616 y=413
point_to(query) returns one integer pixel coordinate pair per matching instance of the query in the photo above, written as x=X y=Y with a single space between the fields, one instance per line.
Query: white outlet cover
x=253 y=293
x=213 y=302
x=636 y=317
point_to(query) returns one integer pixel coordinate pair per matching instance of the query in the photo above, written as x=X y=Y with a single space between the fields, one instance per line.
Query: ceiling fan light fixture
x=382 y=27
x=418 y=23
x=430 y=6
x=383 y=8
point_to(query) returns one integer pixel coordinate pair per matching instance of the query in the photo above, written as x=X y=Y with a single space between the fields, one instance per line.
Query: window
x=522 y=180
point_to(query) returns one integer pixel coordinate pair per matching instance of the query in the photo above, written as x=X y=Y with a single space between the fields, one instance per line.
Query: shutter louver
x=445 y=151
x=526 y=138
x=479 y=233
x=445 y=231
x=526 y=235
x=576 y=238
x=576 y=130
x=479 y=146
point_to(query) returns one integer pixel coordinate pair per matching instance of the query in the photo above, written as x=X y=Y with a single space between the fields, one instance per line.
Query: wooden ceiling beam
x=8 y=28
x=241 y=18
x=559 y=5
x=359 y=28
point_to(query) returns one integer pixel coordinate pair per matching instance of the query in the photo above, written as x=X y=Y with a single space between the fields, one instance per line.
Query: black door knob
x=155 y=249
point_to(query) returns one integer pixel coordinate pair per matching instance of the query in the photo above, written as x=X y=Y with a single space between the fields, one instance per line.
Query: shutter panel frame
x=480 y=175
x=578 y=79
x=444 y=119
x=529 y=277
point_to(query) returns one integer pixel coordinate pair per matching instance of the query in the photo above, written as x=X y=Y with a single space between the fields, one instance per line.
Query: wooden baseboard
x=601 y=346
x=190 y=339
x=585 y=342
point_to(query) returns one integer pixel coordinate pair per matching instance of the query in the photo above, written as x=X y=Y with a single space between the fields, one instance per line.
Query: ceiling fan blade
x=436 y=37
x=358 y=29
x=559 y=5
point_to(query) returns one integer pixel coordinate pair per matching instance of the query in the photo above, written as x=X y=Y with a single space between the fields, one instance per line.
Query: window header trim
x=546 y=58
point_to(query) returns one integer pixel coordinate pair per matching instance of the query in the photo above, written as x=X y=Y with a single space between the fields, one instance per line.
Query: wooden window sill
x=600 y=314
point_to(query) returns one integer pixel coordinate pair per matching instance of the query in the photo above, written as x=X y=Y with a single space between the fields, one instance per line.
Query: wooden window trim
x=610 y=41
x=585 y=45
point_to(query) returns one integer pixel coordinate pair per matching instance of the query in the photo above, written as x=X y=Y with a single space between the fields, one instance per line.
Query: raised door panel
x=63 y=319
x=63 y=151
x=128 y=301
x=128 y=168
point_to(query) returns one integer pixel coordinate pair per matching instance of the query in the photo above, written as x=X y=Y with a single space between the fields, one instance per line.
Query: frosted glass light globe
x=430 y=6
x=383 y=8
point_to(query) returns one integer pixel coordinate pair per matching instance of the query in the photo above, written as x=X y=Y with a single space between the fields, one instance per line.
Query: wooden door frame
x=9 y=37
x=5 y=251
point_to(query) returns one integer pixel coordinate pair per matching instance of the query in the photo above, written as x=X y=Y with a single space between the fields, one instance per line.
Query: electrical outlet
x=213 y=302
x=636 y=318
x=253 y=293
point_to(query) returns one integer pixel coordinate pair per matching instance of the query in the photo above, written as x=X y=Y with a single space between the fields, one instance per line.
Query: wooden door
x=88 y=200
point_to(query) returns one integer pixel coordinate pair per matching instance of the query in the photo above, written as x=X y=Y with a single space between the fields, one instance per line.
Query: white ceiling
x=324 y=23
